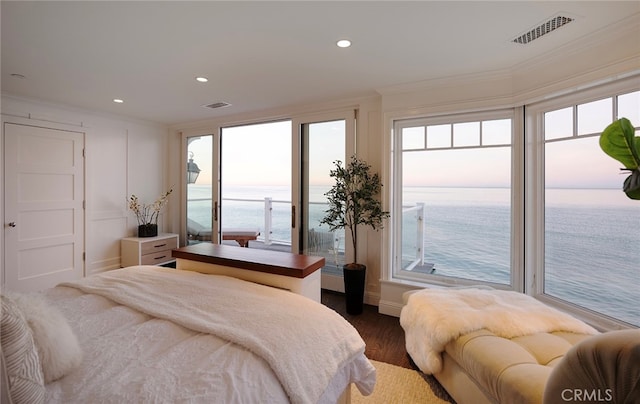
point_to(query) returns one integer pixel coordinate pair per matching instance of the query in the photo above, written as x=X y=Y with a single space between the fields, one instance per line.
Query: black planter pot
x=148 y=230
x=354 y=276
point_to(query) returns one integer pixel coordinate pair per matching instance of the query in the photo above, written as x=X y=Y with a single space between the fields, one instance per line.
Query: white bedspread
x=305 y=344
x=434 y=317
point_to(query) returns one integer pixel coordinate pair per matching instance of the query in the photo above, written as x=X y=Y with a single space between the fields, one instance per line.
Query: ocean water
x=592 y=256
x=592 y=242
x=243 y=206
x=592 y=250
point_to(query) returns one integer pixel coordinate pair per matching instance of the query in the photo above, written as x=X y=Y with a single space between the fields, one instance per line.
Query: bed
x=154 y=334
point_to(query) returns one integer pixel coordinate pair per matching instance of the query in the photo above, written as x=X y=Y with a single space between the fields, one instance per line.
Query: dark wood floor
x=383 y=334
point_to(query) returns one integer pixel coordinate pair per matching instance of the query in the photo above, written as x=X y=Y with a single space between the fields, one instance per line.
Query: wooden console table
x=297 y=273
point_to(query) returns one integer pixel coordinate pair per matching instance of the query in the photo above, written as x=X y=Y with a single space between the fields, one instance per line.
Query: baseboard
x=389 y=308
x=372 y=299
x=391 y=293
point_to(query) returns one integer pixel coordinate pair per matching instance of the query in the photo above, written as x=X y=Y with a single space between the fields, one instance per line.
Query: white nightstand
x=148 y=250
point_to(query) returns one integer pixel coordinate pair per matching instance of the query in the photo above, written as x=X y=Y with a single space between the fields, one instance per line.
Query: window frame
x=516 y=221
x=535 y=188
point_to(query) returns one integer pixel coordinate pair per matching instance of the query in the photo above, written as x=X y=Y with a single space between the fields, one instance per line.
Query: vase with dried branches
x=147 y=214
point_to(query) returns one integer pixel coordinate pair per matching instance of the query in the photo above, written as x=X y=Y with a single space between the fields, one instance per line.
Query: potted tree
x=619 y=142
x=352 y=202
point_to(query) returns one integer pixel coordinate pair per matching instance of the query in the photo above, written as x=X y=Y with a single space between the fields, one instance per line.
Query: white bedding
x=130 y=356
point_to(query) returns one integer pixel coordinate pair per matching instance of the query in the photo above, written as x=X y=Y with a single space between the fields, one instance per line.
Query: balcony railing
x=273 y=218
x=412 y=236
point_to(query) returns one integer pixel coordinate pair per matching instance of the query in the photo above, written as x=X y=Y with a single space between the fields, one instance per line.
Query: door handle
x=12 y=224
x=293 y=217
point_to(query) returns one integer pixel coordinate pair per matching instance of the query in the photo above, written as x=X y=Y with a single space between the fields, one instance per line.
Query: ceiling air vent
x=542 y=29
x=215 y=105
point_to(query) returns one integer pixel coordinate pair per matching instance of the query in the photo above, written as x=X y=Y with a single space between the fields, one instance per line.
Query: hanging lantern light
x=192 y=170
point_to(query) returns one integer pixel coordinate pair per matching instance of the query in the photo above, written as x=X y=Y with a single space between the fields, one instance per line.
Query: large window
x=453 y=198
x=536 y=207
x=591 y=237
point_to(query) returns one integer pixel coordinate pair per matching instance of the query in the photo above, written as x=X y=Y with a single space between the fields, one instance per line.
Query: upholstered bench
x=474 y=364
x=482 y=367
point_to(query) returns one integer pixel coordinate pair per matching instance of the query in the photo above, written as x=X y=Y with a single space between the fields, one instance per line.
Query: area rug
x=400 y=385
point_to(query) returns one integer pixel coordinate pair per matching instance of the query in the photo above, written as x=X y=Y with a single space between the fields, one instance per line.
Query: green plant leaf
x=619 y=142
x=631 y=185
x=352 y=199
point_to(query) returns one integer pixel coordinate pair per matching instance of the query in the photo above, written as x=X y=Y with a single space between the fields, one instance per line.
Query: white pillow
x=22 y=381
x=57 y=345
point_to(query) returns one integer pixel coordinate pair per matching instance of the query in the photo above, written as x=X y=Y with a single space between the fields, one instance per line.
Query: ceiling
x=264 y=55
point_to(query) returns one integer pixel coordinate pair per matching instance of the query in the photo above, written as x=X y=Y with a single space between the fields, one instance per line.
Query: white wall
x=123 y=156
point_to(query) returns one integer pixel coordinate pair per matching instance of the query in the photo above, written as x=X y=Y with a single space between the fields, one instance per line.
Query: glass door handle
x=293 y=217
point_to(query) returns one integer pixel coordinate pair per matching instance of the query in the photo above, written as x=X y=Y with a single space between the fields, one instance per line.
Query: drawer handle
x=159 y=258
x=160 y=245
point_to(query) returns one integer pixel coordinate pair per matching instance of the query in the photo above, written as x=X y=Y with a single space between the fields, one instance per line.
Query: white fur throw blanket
x=304 y=342
x=434 y=317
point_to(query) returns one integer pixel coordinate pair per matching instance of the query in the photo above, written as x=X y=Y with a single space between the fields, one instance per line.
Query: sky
x=257 y=154
x=261 y=154
x=577 y=163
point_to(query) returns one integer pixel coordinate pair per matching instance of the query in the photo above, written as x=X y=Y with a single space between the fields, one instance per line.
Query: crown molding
x=607 y=35
x=511 y=87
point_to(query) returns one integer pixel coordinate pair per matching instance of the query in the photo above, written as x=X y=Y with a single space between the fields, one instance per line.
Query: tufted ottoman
x=447 y=334
x=482 y=367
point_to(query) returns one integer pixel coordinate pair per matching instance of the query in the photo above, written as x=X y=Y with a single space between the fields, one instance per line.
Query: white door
x=44 y=215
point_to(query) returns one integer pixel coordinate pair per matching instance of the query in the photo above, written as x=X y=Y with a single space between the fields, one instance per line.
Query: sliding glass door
x=267 y=188
x=255 y=172
x=323 y=141
x=200 y=178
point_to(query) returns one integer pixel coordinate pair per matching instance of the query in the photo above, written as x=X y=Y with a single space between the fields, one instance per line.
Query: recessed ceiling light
x=118 y=100
x=344 y=43
x=202 y=79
